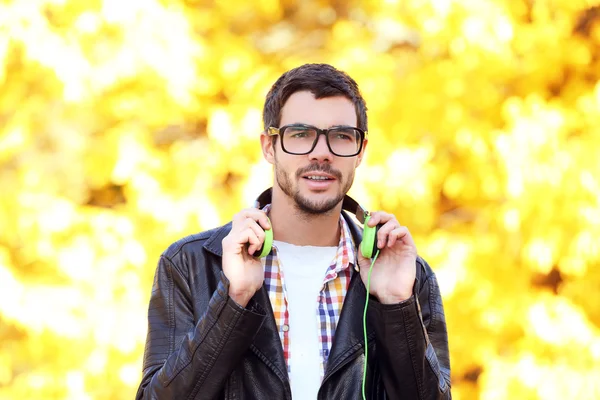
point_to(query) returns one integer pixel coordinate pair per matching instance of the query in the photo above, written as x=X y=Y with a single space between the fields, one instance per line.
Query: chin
x=317 y=202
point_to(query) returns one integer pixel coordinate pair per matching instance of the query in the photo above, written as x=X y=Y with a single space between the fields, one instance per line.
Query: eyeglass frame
x=273 y=131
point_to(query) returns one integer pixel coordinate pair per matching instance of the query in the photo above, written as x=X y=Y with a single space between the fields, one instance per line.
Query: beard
x=303 y=203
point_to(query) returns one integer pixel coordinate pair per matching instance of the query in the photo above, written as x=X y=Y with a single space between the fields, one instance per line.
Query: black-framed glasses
x=299 y=139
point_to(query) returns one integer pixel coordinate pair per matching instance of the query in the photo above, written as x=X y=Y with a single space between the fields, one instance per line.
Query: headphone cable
x=365 y=325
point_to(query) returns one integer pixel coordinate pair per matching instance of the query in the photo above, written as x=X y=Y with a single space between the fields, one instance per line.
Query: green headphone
x=265 y=249
x=368 y=246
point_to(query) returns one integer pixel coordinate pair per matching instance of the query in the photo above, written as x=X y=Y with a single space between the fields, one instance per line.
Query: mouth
x=318 y=177
x=318 y=181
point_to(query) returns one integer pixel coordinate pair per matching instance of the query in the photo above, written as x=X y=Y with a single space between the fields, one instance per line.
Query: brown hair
x=322 y=80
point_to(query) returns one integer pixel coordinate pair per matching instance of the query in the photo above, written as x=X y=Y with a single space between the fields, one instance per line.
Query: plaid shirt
x=331 y=297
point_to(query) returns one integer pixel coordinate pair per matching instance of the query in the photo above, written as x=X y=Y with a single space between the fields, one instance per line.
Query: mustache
x=325 y=168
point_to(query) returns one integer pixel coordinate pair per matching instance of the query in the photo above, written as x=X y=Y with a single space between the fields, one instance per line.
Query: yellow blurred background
x=125 y=125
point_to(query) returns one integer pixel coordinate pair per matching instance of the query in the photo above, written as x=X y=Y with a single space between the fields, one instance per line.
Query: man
x=223 y=324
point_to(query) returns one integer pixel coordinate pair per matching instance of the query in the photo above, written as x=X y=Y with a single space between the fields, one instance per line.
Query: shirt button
x=285 y=328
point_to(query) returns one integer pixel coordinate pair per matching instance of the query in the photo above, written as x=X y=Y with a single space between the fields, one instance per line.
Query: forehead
x=303 y=107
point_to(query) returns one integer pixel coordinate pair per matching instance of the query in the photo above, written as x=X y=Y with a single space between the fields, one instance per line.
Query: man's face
x=296 y=175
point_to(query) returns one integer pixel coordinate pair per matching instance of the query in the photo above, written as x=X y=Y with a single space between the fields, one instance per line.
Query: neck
x=292 y=225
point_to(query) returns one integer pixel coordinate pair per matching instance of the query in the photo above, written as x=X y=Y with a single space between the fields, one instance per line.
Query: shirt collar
x=346 y=250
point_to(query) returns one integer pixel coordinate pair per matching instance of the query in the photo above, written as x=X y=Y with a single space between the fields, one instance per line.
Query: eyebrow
x=330 y=127
x=342 y=126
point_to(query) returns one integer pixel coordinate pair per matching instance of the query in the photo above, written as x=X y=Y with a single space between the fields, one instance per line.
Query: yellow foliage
x=125 y=125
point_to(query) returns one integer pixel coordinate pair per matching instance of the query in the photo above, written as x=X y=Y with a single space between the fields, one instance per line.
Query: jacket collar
x=213 y=243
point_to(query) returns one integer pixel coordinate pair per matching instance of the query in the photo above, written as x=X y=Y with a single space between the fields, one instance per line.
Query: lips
x=323 y=172
x=318 y=182
x=319 y=177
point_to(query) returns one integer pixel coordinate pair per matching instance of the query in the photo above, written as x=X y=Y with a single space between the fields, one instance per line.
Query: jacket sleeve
x=187 y=359
x=412 y=342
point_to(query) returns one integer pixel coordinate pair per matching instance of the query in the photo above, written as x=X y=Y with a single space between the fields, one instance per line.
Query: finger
x=253 y=214
x=397 y=234
x=379 y=217
x=260 y=217
x=385 y=231
x=408 y=239
x=263 y=220
x=250 y=238
x=362 y=260
x=256 y=229
x=243 y=240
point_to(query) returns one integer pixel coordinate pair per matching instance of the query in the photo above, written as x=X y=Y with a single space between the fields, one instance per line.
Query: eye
x=344 y=134
x=298 y=132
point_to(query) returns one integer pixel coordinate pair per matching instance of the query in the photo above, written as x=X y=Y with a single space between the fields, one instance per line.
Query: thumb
x=363 y=262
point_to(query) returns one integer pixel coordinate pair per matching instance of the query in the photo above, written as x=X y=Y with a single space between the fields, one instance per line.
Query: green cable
x=365 y=325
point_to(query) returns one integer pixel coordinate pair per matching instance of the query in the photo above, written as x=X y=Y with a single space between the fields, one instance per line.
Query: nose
x=321 y=151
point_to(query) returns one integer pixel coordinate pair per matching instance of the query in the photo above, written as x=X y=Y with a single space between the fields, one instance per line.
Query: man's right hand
x=245 y=272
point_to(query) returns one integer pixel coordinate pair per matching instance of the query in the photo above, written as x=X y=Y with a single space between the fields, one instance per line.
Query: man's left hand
x=394 y=270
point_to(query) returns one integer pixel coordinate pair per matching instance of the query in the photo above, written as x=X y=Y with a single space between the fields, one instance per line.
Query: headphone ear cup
x=368 y=246
x=374 y=250
x=265 y=249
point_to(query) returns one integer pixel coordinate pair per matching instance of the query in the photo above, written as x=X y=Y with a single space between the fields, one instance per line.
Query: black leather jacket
x=203 y=345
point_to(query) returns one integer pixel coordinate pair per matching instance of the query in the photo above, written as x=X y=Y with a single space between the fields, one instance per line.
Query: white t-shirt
x=304 y=269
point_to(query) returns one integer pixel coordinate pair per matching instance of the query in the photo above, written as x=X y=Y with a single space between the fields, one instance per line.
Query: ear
x=360 y=155
x=266 y=142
